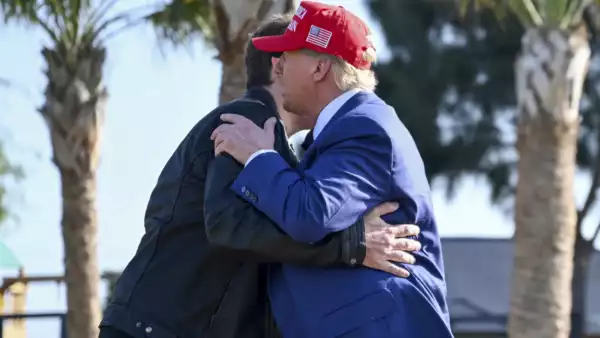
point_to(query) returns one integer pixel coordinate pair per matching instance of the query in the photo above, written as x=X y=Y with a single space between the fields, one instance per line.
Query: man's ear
x=322 y=68
x=275 y=68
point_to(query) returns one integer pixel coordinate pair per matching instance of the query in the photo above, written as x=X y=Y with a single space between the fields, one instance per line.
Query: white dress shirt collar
x=324 y=117
x=327 y=113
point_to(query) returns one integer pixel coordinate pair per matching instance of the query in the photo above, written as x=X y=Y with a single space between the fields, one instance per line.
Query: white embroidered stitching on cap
x=301 y=12
x=292 y=26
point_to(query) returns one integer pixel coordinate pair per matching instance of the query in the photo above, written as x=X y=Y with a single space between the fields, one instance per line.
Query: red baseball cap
x=325 y=29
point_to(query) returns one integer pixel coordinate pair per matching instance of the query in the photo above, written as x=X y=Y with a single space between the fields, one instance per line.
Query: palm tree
x=550 y=72
x=74 y=107
x=224 y=24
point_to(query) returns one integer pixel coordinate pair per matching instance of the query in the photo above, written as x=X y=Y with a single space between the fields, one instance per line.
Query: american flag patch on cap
x=318 y=36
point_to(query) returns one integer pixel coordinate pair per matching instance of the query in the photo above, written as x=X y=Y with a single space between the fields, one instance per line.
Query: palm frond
x=58 y=18
x=182 y=20
x=574 y=12
x=71 y=22
x=104 y=27
x=561 y=14
x=19 y=9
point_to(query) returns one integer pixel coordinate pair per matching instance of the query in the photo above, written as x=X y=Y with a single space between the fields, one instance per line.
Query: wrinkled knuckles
x=388 y=230
x=403 y=245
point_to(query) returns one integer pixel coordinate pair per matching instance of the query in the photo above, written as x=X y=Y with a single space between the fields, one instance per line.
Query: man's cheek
x=284 y=82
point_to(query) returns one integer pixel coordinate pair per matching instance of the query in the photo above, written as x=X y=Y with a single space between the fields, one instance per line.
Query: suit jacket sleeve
x=236 y=224
x=347 y=178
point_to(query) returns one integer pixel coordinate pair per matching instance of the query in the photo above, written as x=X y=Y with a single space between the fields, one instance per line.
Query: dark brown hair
x=258 y=63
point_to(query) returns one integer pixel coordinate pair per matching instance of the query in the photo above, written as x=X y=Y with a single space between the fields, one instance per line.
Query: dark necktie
x=308 y=140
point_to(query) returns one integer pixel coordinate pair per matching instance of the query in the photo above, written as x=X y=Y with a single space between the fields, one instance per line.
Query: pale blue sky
x=153 y=103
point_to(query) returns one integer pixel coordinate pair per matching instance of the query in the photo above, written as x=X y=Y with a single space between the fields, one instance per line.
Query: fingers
x=269 y=126
x=383 y=209
x=214 y=134
x=231 y=118
x=386 y=266
x=221 y=129
x=235 y=118
x=406 y=244
x=225 y=132
x=220 y=147
x=393 y=269
x=220 y=136
x=403 y=230
x=399 y=256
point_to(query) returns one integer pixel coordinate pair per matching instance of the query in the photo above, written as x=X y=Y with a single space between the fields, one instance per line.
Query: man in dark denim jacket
x=199 y=272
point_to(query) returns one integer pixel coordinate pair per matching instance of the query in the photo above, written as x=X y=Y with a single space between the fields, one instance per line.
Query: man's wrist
x=257 y=153
x=354 y=248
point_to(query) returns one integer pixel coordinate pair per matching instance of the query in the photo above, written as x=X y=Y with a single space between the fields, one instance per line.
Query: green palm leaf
x=562 y=14
x=71 y=22
x=179 y=21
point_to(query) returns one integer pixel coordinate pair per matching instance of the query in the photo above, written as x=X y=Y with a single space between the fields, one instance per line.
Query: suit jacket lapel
x=313 y=151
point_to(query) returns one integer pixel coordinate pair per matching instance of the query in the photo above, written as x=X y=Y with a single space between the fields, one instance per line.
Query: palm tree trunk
x=233 y=77
x=79 y=230
x=234 y=23
x=550 y=73
x=74 y=113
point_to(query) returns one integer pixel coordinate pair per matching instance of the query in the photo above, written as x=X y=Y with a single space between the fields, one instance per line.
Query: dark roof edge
x=458 y=239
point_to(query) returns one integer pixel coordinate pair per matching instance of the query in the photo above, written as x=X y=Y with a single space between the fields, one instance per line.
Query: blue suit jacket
x=364 y=157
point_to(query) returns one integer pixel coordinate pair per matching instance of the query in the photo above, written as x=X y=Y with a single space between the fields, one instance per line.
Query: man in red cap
x=201 y=267
x=358 y=154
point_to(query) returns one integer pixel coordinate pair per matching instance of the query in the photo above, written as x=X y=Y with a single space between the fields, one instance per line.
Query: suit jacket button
x=247 y=193
x=244 y=189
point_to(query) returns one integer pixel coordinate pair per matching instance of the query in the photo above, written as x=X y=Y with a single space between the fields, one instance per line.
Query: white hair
x=346 y=76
